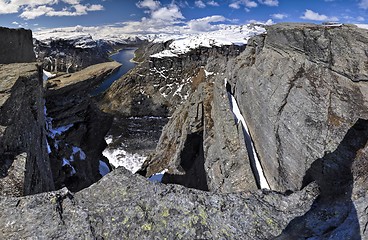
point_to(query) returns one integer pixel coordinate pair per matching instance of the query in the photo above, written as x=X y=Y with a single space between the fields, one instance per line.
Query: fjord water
x=124 y=57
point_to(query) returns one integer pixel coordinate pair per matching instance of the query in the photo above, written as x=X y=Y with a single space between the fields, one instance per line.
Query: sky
x=152 y=15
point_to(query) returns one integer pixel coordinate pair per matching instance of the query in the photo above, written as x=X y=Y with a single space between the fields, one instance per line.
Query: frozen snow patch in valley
x=103 y=168
x=119 y=157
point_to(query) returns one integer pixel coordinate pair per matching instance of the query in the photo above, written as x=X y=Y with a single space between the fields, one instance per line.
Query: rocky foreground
x=302 y=90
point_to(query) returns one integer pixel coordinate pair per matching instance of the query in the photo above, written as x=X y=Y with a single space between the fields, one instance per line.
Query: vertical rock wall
x=16 y=46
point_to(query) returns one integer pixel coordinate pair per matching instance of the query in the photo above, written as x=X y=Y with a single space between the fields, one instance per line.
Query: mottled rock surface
x=122 y=205
x=16 y=46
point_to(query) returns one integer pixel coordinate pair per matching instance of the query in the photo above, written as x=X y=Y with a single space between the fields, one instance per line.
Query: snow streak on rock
x=240 y=119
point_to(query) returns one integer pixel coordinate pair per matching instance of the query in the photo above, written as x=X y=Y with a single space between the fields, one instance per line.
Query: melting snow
x=157 y=177
x=82 y=155
x=47 y=75
x=239 y=118
x=119 y=157
x=67 y=162
x=103 y=168
x=53 y=132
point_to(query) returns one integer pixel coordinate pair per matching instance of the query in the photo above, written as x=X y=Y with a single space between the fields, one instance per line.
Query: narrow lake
x=124 y=57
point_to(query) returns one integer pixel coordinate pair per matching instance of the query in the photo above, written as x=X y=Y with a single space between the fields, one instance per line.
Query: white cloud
x=363 y=4
x=310 y=15
x=32 y=9
x=360 y=19
x=169 y=13
x=203 y=24
x=271 y=3
x=213 y=3
x=15 y=23
x=245 y=3
x=34 y=12
x=279 y=16
x=200 y=4
x=150 y=4
x=235 y=5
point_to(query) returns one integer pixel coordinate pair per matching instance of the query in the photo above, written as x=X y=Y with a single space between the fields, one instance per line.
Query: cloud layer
x=32 y=9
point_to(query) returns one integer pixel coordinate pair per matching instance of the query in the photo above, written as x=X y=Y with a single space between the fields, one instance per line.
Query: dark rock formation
x=60 y=55
x=122 y=205
x=76 y=152
x=158 y=85
x=16 y=46
x=22 y=123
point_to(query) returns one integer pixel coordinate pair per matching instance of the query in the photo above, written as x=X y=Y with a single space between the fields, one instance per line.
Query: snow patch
x=119 y=157
x=47 y=75
x=103 y=168
x=157 y=177
x=225 y=35
x=240 y=119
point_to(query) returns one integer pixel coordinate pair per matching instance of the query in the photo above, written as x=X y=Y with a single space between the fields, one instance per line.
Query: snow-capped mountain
x=184 y=40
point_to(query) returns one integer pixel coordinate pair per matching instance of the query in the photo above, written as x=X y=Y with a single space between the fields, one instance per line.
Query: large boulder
x=122 y=205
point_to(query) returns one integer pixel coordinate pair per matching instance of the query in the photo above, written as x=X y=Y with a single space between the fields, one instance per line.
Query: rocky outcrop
x=158 y=85
x=302 y=114
x=76 y=127
x=122 y=205
x=71 y=55
x=302 y=91
x=16 y=46
x=22 y=123
x=202 y=146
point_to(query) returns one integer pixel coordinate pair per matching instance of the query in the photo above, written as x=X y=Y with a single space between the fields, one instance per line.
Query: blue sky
x=36 y=14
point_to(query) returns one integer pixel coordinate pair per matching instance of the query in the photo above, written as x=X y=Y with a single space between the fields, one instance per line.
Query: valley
x=264 y=136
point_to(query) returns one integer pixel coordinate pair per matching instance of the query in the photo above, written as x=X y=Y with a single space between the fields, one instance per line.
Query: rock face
x=76 y=127
x=122 y=205
x=158 y=85
x=300 y=114
x=60 y=55
x=22 y=123
x=16 y=46
x=202 y=146
x=302 y=90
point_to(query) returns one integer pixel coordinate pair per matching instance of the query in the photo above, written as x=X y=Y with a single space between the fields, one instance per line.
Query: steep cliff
x=158 y=85
x=302 y=92
x=16 y=46
x=76 y=127
x=22 y=123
